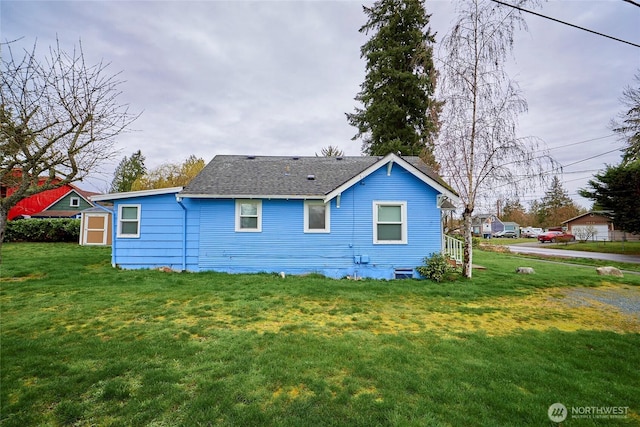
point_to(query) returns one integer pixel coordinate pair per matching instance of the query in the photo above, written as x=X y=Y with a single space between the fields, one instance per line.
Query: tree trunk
x=467 y=260
x=3 y=226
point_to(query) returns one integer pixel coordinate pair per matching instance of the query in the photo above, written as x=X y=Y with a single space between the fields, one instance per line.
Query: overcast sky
x=277 y=77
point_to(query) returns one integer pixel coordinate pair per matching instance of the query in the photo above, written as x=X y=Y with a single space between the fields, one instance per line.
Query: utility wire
x=567 y=23
x=590 y=158
x=554 y=171
x=580 y=142
x=632 y=2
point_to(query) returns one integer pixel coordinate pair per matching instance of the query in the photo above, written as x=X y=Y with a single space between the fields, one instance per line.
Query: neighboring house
x=594 y=225
x=486 y=225
x=338 y=216
x=70 y=205
x=66 y=201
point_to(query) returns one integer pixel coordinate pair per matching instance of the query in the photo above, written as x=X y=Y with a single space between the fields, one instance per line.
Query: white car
x=531 y=232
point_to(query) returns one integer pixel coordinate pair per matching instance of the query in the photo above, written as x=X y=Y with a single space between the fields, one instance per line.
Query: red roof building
x=65 y=201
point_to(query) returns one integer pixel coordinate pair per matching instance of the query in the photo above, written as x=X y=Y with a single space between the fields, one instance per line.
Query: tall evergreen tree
x=129 y=169
x=628 y=123
x=556 y=205
x=399 y=112
x=617 y=189
x=515 y=212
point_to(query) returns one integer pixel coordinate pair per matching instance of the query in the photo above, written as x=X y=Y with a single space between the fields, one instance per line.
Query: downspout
x=184 y=233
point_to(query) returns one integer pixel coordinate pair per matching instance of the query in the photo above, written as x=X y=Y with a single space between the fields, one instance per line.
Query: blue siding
x=161 y=237
x=210 y=242
x=282 y=246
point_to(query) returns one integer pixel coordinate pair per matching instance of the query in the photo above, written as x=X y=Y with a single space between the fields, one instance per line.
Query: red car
x=556 y=236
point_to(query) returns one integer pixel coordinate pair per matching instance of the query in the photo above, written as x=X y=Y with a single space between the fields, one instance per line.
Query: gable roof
x=81 y=193
x=232 y=176
x=603 y=214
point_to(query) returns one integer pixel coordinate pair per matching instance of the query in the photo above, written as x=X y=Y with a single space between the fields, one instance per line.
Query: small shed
x=594 y=225
x=95 y=227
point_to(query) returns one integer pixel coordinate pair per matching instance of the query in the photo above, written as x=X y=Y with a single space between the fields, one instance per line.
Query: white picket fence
x=453 y=248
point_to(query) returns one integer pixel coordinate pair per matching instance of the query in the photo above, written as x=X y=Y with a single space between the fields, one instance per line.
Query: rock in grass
x=609 y=271
x=525 y=270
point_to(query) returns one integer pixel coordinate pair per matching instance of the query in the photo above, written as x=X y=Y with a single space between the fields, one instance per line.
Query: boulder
x=609 y=271
x=525 y=270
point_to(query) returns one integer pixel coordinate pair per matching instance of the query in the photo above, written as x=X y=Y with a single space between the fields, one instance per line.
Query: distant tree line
x=131 y=174
x=555 y=207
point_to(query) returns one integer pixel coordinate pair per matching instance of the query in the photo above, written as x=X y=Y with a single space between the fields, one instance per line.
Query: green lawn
x=84 y=344
x=625 y=248
x=628 y=248
x=505 y=241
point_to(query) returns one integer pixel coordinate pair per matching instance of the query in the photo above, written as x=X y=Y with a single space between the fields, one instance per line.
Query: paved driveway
x=540 y=249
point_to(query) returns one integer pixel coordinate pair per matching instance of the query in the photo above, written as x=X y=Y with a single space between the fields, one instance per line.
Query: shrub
x=475 y=242
x=436 y=267
x=564 y=239
x=586 y=233
x=43 y=230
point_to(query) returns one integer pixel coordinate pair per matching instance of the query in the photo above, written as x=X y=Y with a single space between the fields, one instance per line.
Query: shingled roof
x=280 y=176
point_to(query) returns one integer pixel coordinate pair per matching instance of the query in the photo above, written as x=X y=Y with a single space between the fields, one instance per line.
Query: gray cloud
x=271 y=77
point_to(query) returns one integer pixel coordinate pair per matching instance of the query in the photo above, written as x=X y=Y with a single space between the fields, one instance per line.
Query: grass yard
x=84 y=344
x=505 y=241
x=627 y=248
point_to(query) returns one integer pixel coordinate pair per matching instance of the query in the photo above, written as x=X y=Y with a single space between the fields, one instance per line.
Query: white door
x=94 y=229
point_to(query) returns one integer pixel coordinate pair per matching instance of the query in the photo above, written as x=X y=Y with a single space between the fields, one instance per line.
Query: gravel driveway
x=623 y=299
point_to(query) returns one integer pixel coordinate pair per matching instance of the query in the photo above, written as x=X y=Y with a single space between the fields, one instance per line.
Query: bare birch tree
x=478 y=148
x=59 y=119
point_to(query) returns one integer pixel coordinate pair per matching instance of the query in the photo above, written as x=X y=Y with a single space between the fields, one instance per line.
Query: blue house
x=337 y=216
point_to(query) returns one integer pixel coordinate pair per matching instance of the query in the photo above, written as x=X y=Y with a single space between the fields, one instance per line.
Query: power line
x=590 y=158
x=567 y=23
x=581 y=142
x=632 y=2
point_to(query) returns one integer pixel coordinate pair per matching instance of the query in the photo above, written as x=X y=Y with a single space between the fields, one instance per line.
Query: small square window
x=249 y=215
x=316 y=217
x=129 y=221
x=74 y=202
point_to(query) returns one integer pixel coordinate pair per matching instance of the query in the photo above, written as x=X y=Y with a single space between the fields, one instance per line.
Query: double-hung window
x=249 y=215
x=317 y=217
x=129 y=221
x=389 y=223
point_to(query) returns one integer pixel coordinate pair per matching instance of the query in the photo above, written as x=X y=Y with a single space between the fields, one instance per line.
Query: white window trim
x=120 y=220
x=327 y=216
x=74 y=202
x=403 y=213
x=259 y=214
